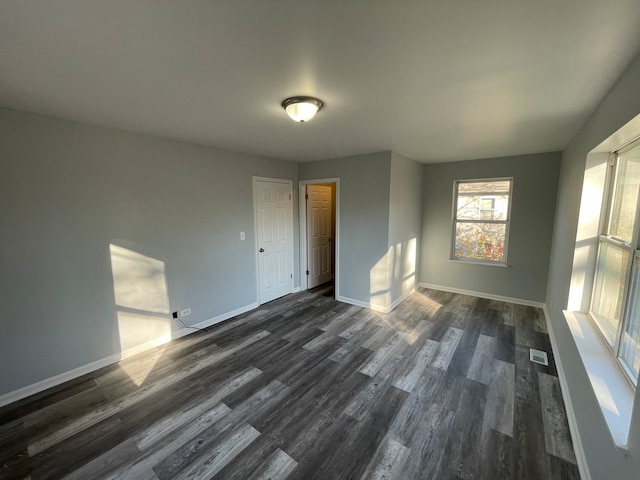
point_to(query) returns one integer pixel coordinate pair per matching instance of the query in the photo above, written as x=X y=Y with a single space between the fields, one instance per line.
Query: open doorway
x=319 y=235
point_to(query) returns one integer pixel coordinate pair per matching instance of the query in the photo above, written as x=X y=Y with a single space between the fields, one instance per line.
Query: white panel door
x=274 y=226
x=319 y=226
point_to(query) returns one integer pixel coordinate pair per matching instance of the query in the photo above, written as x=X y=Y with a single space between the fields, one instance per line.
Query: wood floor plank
x=415 y=410
x=388 y=461
x=347 y=455
x=497 y=457
x=135 y=422
x=303 y=368
x=481 y=367
x=466 y=347
x=407 y=378
x=155 y=453
x=531 y=460
x=380 y=337
x=498 y=414
x=563 y=470
x=80 y=448
x=528 y=321
x=447 y=348
x=341 y=321
x=557 y=437
x=193 y=456
x=383 y=354
x=218 y=456
x=328 y=384
x=320 y=341
x=429 y=444
x=278 y=466
x=302 y=334
x=168 y=423
x=506 y=343
x=298 y=433
x=440 y=324
x=14 y=457
x=464 y=456
x=367 y=399
x=102 y=465
x=354 y=341
x=106 y=411
x=462 y=307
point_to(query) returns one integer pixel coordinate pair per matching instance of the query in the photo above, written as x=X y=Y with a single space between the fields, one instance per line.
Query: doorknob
x=261 y=250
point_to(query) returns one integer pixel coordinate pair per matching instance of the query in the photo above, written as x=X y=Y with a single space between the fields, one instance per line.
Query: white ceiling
x=432 y=80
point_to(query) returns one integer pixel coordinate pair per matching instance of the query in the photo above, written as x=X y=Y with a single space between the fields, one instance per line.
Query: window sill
x=486 y=264
x=613 y=391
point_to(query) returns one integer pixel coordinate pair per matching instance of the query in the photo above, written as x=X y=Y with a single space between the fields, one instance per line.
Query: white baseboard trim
x=295 y=290
x=226 y=316
x=360 y=303
x=490 y=296
x=400 y=299
x=578 y=448
x=42 y=385
x=50 y=382
x=374 y=307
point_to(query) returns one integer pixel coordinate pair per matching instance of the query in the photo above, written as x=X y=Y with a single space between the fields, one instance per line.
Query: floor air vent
x=538 y=356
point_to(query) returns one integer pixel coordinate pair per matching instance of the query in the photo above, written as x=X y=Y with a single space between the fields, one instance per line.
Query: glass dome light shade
x=302 y=109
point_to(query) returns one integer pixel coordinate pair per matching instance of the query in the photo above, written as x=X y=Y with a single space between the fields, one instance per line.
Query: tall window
x=481 y=220
x=615 y=306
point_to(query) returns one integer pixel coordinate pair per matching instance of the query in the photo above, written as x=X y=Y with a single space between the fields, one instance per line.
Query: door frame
x=254 y=181
x=302 y=215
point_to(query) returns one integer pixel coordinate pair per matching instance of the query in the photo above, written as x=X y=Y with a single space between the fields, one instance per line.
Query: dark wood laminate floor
x=306 y=387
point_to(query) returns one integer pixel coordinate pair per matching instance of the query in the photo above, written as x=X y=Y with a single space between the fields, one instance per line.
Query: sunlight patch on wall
x=581 y=262
x=394 y=275
x=409 y=270
x=140 y=291
x=591 y=201
x=379 y=281
x=586 y=247
x=138 y=281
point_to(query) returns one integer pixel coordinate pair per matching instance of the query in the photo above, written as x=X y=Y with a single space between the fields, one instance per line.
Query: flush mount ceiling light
x=302 y=109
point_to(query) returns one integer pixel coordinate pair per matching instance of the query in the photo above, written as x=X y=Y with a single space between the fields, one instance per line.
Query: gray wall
x=535 y=180
x=405 y=220
x=364 y=216
x=68 y=191
x=620 y=105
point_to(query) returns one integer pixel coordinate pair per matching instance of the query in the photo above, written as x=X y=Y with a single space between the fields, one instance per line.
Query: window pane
x=487 y=208
x=482 y=206
x=630 y=341
x=480 y=241
x=609 y=287
x=498 y=186
x=625 y=196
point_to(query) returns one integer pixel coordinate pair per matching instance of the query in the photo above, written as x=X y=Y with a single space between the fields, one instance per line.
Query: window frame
x=506 y=222
x=628 y=370
x=632 y=248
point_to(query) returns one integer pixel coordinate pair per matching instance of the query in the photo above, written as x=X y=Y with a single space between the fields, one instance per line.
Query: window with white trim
x=615 y=306
x=481 y=213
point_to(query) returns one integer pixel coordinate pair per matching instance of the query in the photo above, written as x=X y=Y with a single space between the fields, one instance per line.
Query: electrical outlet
x=185 y=312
